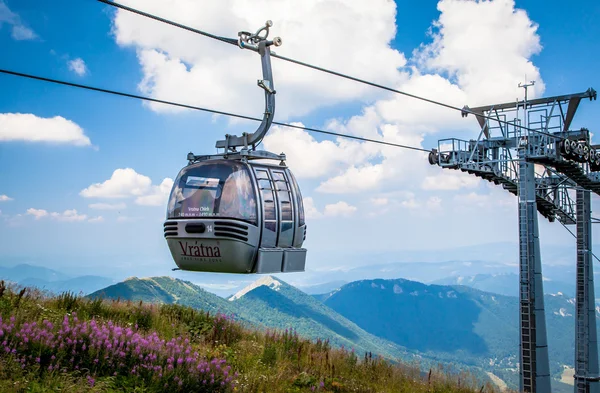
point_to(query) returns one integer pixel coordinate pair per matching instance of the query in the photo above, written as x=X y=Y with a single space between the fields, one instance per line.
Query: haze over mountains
x=332 y=268
x=52 y=280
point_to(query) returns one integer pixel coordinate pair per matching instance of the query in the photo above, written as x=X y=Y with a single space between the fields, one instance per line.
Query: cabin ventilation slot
x=171 y=229
x=231 y=230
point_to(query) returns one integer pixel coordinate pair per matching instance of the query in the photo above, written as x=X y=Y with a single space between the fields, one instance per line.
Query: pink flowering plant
x=105 y=349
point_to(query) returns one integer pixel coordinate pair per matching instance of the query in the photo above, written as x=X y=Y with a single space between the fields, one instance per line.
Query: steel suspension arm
x=261 y=45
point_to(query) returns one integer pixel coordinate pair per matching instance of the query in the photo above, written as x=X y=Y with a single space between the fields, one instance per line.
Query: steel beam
x=586 y=343
x=534 y=364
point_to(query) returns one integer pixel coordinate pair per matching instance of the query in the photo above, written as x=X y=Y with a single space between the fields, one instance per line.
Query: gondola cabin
x=234 y=216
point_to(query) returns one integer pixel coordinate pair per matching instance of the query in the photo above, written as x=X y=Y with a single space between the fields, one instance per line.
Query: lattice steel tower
x=507 y=152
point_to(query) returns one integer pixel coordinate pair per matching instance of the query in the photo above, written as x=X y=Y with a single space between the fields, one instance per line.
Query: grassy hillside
x=276 y=304
x=77 y=344
x=263 y=307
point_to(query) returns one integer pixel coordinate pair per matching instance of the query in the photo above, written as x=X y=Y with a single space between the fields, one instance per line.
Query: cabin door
x=277 y=207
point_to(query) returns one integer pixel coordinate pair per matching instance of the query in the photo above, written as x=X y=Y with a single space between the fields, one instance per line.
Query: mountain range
x=472 y=326
x=395 y=318
x=267 y=303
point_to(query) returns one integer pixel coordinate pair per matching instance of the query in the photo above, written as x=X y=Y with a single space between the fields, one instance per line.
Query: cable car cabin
x=230 y=216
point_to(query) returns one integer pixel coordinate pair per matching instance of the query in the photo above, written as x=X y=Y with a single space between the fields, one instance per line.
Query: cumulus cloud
x=31 y=128
x=96 y=219
x=310 y=158
x=486 y=73
x=122 y=184
x=461 y=76
x=107 y=206
x=37 y=213
x=78 y=66
x=201 y=71
x=450 y=181
x=19 y=31
x=157 y=195
x=339 y=209
x=494 y=199
x=458 y=66
x=66 y=216
x=310 y=210
x=126 y=183
x=5 y=198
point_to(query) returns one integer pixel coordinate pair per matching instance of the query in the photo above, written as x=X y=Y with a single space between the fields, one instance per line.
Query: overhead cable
x=575 y=236
x=206 y=109
x=301 y=63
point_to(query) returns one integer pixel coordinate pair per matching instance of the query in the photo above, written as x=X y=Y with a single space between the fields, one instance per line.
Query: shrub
x=107 y=349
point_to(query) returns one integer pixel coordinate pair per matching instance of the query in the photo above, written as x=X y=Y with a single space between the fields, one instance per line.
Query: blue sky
x=43 y=39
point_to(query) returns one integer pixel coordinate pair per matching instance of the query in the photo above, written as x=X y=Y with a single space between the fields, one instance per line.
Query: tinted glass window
x=301 y=219
x=214 y=189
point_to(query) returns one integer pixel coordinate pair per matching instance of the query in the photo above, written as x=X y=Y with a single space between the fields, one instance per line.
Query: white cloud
x=461 y=47
x=404 y=120
x=5 y=198
x=37 y=213
x=309 y=158
x=19 y=30
x=450 y=181
x=22 y=33
x=310 y=210
x=127 y=183
x=67 y=215
x=158 y=195
x=78 y=66
x=339 y=209
x=458 y=67
x=96 y=219
x=496 y=198
x=202 y=71
x=107 y=206
x=30 y=128
x=122 y=184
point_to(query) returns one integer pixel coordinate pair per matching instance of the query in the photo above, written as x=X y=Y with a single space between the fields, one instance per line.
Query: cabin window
x=214 y=189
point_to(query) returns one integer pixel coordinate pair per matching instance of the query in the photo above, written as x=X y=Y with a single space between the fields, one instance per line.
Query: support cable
x=206 y=109
x=232 y=41
x=575 y=236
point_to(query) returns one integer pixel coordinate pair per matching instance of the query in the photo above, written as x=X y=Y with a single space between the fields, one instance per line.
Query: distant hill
x=51 y=280
x=276 y=304
x=506 y=284
x=21 y=272
x=83 y=284
x=454 y=323
x=166 y=290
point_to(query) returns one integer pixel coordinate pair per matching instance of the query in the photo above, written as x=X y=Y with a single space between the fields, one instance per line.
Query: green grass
x=271 y=361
